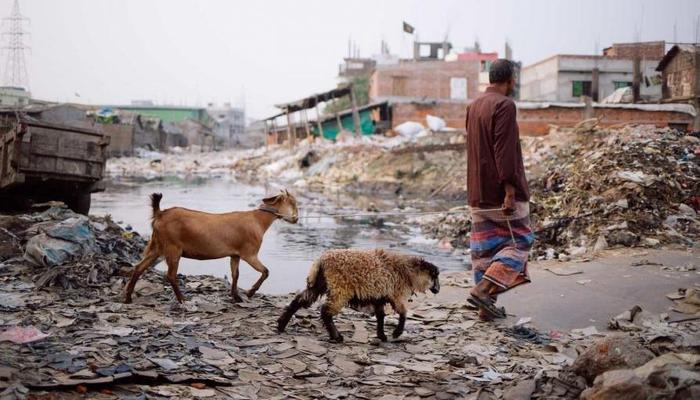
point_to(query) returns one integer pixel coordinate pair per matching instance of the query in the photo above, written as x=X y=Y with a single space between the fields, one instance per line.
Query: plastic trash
x=409 y=129
x=60 y=243
x=435 y=123
x=22 y=334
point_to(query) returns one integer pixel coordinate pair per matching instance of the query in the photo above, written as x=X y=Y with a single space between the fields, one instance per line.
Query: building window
x=621 y=84
x=398 y=84
x=580 y=88
x=458 y=88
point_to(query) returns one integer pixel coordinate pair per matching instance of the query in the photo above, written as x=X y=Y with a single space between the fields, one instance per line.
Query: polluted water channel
x=287 y=250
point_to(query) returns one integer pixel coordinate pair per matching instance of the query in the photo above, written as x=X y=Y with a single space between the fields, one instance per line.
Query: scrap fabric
x=500 y=245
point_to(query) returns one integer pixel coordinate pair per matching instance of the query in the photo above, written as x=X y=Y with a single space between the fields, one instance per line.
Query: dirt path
x=605 y=287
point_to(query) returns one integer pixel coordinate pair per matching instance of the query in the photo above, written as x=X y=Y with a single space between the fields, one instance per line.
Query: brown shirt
x=494 y=156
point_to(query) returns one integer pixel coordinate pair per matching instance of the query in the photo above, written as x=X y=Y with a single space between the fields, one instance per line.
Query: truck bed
x=49 y=151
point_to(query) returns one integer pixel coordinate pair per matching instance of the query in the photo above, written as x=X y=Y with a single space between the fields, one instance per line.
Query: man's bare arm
x=509 y=200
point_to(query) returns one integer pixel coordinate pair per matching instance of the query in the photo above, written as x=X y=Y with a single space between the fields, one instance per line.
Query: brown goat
x=362 y=278
x=179 y=232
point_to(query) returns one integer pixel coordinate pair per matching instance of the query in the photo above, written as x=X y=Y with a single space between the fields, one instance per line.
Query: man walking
x=498 y=193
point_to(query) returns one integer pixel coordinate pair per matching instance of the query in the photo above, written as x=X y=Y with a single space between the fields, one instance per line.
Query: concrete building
x=565 y=78
x=14 y=96
x=484 y=59
x=228 y=124
x=166 y=113
x=355 y=67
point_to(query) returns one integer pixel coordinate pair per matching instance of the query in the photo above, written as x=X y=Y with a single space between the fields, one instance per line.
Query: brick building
x=643 y=50
x=535 y=119
x=679 y=71
x=435 y=80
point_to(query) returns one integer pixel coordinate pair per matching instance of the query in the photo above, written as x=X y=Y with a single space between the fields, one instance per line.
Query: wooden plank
x=355 y=113
x=291 y=138
x=306 y=124
x=318 y=119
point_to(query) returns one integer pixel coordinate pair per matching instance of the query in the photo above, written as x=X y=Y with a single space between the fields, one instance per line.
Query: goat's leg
x=235 y=260
x=258 y=266
x=379 y=313
x=172 y=258
x=303 y=299
x=330 y=308
x=150 y=258
x=400 y=307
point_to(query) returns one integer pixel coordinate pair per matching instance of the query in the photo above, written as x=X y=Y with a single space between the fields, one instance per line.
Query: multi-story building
x=229 y=124
x=566 y=78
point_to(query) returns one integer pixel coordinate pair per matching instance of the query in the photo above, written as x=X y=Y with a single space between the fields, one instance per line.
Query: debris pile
x=635 y=186
x=383 y=166
x=72 y=335
x=68 y=249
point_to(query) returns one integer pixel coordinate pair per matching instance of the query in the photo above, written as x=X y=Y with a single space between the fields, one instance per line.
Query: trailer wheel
x=79 y=203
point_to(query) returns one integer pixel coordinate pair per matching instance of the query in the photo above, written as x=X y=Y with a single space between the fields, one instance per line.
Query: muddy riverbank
x=288 y=250
x=592 y=189
x=65 y=333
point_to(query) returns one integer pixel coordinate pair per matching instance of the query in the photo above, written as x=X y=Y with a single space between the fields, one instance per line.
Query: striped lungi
x=500 y=245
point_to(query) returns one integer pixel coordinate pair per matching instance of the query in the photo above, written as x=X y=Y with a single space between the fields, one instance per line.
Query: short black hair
x=501 y=71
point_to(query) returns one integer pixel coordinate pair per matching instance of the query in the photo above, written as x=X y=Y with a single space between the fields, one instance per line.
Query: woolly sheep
x=362 y=278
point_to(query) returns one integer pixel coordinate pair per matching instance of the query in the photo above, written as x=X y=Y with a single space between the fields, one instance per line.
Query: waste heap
x=66 y=249
x=636 y=186
x=64 y=333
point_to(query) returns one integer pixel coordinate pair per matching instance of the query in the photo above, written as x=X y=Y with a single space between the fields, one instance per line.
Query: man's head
x=502 y=76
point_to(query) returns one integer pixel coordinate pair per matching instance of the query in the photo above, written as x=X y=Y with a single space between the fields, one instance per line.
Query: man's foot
x=487 y=305
x=485 y=316
x=336 y=339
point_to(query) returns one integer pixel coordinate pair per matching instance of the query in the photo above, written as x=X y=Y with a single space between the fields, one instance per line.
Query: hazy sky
x=195 y=52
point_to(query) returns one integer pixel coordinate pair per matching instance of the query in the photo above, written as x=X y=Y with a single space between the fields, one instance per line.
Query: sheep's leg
x=303 y=299
x=150 y=258
x=172 y=258
x=379 y=313
x=258 y=266
x=400 y=307
x=235 y=260
x=330 y=308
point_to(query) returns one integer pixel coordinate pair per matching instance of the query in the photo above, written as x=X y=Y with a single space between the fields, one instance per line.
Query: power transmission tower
x=13 y=36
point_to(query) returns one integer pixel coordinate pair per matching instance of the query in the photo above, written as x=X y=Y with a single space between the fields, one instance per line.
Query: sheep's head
x=286 y=205
x=428 y=276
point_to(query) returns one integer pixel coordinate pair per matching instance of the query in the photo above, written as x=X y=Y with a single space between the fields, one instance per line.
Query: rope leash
x=417 y=213
x=396 y=213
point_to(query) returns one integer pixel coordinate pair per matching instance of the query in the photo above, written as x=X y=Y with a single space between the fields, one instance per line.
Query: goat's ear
x=271 y=199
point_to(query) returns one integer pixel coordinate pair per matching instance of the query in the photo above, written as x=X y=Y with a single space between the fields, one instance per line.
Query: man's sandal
x=487 y=305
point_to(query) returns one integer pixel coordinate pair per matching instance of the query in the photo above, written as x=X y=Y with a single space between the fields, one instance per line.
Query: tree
x=360 y=86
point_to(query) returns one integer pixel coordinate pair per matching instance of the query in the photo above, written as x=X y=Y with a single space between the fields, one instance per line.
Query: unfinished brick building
x=679 y=71
x=434 y=80
x=642 y=50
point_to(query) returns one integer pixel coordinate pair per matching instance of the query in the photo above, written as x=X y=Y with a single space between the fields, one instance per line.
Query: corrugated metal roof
x=311 y=101
x=672 y=53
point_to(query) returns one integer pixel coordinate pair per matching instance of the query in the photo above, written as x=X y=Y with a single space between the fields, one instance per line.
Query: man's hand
x=509 y=200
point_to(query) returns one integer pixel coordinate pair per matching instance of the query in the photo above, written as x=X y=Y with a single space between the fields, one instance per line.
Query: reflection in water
x=288 y=250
